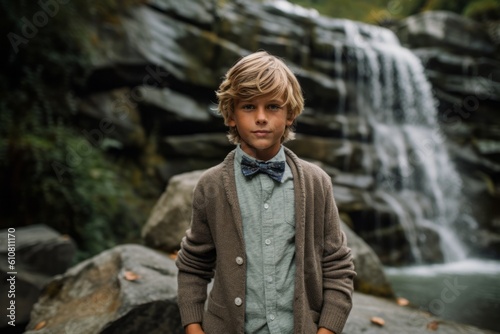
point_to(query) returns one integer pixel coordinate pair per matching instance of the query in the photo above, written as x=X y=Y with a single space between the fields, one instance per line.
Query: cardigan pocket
x=315 y=316
x=216 y=309
x=214 y=318
x=312 y=327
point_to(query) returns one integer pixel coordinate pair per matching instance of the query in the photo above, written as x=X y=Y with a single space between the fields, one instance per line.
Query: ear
x=230 y=120
x=230 y=117
x=290 y=118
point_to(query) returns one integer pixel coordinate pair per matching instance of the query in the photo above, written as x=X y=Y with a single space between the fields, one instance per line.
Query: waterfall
x=413 y=172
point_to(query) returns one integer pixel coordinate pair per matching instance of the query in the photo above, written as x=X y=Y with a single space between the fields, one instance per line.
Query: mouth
x=261 y=133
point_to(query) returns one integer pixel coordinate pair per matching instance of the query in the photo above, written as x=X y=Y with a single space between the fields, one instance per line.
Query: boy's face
x=260 y=123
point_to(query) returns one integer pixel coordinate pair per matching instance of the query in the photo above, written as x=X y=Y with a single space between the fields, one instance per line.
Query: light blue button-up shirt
x=268 y=215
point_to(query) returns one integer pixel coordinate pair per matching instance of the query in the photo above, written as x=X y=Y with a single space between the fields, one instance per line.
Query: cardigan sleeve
x=338 y=269
x=196 y=261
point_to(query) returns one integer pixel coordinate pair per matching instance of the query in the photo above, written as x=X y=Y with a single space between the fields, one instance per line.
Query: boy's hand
x=323 y=330
x=194 y=329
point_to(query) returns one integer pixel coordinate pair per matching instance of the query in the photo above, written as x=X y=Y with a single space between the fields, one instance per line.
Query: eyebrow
x=280 y=102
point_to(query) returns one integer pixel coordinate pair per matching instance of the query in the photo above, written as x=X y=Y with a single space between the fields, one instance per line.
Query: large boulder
x=128 y=289
x=170 y=217
x=30 y=247
x=370 y=276
x=372 y=315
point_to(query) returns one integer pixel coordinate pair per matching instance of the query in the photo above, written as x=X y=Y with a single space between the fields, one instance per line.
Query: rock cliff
x=370 y=113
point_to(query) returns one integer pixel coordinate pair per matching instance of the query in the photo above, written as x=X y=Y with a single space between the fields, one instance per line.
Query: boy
x=264 y=225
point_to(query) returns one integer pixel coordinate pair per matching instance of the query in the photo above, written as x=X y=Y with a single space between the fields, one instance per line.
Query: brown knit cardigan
x=214 y=248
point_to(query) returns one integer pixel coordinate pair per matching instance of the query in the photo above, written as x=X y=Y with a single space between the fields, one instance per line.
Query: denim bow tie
x=274 y=169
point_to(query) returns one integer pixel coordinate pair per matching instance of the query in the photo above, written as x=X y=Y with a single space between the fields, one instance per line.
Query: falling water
x=395 y=98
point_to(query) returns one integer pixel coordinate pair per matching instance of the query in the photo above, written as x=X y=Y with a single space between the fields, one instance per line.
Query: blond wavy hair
x=256 y=75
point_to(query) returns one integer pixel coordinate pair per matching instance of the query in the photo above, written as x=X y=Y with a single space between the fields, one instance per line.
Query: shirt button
x=238 y=301
x=266 y=206
x=239 y=260
x=268 y=241
x=270 y=279
x=271 y=317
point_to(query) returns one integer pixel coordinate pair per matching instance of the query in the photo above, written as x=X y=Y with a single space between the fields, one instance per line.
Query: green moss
x=378 y=11
x=483 y=10
x=54 y=176
x=381 y=291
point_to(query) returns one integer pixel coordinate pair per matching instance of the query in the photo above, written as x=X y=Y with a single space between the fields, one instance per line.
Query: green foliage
x=370 y=11
x=51 y=174
x=483 y=10
x=54 y=176
x=363 y=10
x=378 y=11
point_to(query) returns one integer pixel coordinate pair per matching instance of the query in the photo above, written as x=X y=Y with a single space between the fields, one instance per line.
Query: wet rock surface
x=398 y=319
x=127 y=289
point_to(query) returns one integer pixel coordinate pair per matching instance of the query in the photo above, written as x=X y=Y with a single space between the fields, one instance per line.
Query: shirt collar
x=280 y=156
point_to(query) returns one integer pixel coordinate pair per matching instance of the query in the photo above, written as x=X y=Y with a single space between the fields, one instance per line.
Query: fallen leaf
x=377 y=321
x=130 y=275
x=402 y=301
x=433 y=325
x=40 y=325
x=173 y=255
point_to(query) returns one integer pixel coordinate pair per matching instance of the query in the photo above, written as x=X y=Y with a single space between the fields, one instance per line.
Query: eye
x=274 y=107
x=247 y=107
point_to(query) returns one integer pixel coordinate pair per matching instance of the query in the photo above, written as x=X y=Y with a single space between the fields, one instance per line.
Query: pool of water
x=466 y=291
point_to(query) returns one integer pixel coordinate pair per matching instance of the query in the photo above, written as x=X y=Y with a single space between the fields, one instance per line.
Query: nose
x=261 y=116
